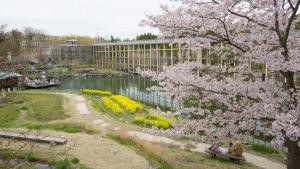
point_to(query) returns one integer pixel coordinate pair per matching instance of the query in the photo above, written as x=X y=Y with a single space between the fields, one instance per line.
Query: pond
x=134 y=87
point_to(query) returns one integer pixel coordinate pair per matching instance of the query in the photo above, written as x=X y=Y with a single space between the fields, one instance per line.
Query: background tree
x=233 y=99
x=34 y=34
x=113 y=39
x=146 y=36
x=15 y=38
x=3 y=43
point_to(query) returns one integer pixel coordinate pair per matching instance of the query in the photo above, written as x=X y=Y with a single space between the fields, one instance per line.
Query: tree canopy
x=232 y=99
x=146 y=36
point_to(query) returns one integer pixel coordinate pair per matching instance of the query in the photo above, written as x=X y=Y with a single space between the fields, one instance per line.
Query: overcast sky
x=120 y=18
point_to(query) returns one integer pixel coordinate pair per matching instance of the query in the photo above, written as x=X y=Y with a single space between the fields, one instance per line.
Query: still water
x=134 y=87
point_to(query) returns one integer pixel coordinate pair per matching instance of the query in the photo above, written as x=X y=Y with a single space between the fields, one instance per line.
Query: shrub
x=139 y=119
x=128 y=104
x=75 y=160
x=32 y=158
x=63 y=164
x=110 y=105
x=96 y=92
x=263 y=149
x=153 y=120
x=156 y=117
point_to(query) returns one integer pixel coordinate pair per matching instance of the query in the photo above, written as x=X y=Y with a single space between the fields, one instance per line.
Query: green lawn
x=36 y=110
x=68 y=128
x=21 y=108
x=165 y=157
x=30 y=158
x=8 y=114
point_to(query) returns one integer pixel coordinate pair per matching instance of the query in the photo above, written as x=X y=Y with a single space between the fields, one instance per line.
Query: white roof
x=6 y=75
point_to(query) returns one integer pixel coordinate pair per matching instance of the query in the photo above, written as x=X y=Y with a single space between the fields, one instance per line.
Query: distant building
x=38 y=49
x=10 y=80
x=72 y=52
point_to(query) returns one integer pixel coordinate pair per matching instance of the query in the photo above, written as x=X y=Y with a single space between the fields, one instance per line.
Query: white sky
x=119 y=18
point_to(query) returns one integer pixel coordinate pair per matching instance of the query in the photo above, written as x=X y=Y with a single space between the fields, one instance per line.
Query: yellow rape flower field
x=129 y=105
x=110 y=105
x=127 y=110
x=96 y=92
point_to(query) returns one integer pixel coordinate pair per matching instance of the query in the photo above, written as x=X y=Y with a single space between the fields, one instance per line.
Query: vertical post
x=157 y=57
x=101 y=55
x=93 y=54
x=199 y=59
x=116 y=57
x=172 y=55
x=133 y=57
x=250 y=64
x=208 y=60
x=128 y=50
x=144 y=56
x=266 y=72
x=179 y=53
x=234 y=64
x=120 y=58
x=105 y=56
x=124 y=53
x=139 y=55
x=165 y=62
x=188 y=53
x=150 y=57
x=113 y=48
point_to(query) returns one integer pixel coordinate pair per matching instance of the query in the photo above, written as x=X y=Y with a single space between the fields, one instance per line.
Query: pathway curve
x=82 y=108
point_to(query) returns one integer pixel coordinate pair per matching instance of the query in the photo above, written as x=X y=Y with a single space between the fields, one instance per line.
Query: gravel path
x=97 y=152
x=82 y=106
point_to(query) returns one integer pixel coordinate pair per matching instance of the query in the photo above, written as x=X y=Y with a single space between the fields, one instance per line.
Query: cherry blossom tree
x=225 y=100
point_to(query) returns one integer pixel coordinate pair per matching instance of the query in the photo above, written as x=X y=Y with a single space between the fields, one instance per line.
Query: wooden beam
x=43 y=139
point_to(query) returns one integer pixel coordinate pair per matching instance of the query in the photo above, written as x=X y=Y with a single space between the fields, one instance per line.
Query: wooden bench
x=43 y=139
x=231 y=157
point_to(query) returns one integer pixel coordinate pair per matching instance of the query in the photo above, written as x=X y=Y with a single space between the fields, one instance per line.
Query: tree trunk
x=293 y=158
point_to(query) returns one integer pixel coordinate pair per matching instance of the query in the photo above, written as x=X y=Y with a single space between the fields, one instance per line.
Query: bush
x=32 y=158
x=263 y=149
x=153 y=120
x=75 y=160
x=97 y=92
x=63 y=164
x=129 y=105
x=110 y=105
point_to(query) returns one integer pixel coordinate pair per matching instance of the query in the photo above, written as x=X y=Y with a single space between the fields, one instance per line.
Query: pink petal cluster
x=256 y=31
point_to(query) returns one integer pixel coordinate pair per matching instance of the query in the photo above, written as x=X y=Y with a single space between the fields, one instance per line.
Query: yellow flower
x=110 y=105
x=154 y=120
x=97 y=92
x=128 y=104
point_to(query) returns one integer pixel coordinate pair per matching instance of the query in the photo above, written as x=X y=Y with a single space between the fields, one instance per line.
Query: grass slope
x=35 y=110
x=164 y=157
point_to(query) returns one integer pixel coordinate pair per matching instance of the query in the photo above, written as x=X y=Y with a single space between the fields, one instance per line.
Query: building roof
x=6 y=75
x=138 y=42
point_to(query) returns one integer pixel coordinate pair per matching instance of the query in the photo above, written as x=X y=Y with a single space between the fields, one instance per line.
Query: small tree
x=146 y=36
x=231 y=99
x=4 y=36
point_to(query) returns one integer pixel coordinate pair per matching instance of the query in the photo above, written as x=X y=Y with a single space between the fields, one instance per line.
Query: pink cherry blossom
x=256 y=31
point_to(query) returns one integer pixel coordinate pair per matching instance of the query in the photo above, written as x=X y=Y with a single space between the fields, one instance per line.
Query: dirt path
x=89 y=116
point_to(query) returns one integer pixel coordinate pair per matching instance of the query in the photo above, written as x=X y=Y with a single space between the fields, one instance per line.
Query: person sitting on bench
x=215 y=146
x=237 y=149
x=225 y=150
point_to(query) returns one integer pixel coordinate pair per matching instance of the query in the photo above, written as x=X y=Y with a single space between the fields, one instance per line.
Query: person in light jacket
x=236 y=149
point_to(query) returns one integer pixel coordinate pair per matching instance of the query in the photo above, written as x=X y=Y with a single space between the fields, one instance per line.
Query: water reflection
x=132 y=86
